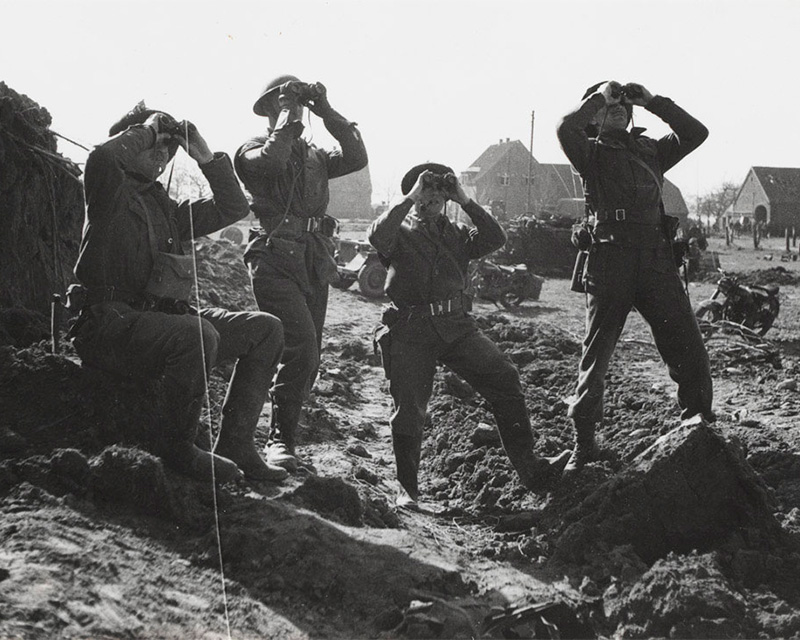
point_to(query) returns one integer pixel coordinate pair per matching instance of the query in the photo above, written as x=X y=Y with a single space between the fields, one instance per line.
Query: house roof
x=493 y=154
x=781 y=184
x=564 y=178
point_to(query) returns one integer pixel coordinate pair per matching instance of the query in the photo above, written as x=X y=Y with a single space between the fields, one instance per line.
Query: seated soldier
x=429 y=323
x=136 y=284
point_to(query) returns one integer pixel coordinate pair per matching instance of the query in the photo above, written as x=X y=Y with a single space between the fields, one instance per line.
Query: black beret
x=138 y=115
x=592 y=89
x=410 y=179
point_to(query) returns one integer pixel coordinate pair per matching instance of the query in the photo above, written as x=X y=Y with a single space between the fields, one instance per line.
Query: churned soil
x=684 y=531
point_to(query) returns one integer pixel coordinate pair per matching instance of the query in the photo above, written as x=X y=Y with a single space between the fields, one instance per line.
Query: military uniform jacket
x=428 y=262
x=284 y=174
x=614 y=179
x=115 y=249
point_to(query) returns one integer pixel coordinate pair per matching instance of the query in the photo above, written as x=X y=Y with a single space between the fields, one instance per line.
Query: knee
x=505 y=381
x=266 y=330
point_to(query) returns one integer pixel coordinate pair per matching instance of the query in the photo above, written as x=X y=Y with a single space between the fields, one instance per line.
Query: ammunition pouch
x=582 y=236
x=172 y=277
x=382 y=345
x=577 y=285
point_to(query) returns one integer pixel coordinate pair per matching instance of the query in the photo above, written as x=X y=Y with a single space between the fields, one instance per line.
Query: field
x=678 y=532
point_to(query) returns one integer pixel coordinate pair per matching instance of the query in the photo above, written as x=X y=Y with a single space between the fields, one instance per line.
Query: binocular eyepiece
x=438 y=181
x=630 y=91
x=303 y=91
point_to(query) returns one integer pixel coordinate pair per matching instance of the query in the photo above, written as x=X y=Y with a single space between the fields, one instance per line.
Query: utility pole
x=530 y=167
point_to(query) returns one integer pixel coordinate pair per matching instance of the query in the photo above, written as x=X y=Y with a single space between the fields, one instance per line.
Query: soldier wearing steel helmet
x=291 y=260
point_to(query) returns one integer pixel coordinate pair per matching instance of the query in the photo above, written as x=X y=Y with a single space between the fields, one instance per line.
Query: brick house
x=770 y=195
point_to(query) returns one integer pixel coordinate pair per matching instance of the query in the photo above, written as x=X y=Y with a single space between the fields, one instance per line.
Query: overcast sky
x=429 y=80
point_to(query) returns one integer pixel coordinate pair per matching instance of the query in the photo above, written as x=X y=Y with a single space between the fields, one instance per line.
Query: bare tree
x=711 y=206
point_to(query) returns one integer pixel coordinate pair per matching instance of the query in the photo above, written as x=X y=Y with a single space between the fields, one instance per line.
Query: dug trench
x=680 y=531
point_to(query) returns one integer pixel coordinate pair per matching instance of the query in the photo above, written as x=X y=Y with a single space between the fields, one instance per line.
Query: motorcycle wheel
x=371 y=279
x=766 y=316
x=511 y=299
x=709 y=310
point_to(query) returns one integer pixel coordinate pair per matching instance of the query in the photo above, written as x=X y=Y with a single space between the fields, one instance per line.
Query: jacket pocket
x=172 y=276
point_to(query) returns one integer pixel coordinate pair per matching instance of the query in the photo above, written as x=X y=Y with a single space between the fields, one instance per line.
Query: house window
x=504 y=179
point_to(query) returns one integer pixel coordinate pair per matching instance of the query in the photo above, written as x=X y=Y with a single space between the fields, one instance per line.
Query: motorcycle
x=508 y=285
x=753 y=306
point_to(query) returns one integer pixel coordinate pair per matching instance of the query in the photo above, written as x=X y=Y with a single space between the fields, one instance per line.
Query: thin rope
x=208 y=405
x=77 y=144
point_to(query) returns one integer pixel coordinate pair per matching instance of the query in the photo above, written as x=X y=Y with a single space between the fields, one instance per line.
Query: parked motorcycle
x=508 y=285
x=753 y=306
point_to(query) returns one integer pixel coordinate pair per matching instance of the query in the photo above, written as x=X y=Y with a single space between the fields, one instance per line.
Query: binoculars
x=303 y=91
x=630 y=91
x=438 y=181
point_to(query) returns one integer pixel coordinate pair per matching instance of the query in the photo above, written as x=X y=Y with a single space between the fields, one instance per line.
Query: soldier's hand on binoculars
x=454 y=191
x=320 y=105
x=287 y=99
x=636 y=94
x=194 y=144
x=612 y=91
x=162 y=123
x=423 y=179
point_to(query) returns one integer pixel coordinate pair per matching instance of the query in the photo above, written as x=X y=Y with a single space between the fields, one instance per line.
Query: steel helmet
x=261 y=107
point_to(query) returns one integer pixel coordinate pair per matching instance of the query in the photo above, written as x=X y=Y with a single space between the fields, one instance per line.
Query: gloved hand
x=320 y=106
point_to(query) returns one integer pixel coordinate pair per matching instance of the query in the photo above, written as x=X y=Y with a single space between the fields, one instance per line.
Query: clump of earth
x=679 y=531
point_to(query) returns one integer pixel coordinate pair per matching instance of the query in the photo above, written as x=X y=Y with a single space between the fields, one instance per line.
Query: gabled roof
x=562 y=178
x=781 y=184
x=493 y=154
x=558 y=181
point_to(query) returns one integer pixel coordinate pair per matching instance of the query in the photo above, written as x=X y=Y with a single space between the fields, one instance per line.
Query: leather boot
x=179 y=451
x=236 y=441
x=244 y=401
x=407 y=450
x=535 y=473
x=280 y=449
x=586 y=448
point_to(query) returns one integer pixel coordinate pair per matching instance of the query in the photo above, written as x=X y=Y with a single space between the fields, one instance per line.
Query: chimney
x=508 y=140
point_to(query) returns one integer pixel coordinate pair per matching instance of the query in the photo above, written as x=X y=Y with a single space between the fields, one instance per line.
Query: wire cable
x=208 y=405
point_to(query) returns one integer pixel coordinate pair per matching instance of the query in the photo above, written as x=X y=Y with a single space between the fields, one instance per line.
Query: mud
x=676 y=532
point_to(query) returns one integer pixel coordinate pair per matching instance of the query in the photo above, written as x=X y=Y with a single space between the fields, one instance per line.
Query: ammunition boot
x=586 y=448
x=407 y=451
x=535 y=473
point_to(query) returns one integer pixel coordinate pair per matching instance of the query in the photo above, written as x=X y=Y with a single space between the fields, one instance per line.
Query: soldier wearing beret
x=136 y=319
x=429 y=322
x=630 y=260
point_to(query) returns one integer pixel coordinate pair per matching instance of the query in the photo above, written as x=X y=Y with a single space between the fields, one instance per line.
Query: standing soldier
x=630 y=262
x=291 y=261
x=429 y=322
x=136 y=282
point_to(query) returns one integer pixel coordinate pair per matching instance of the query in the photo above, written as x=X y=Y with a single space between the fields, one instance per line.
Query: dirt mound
x=222 y=276
x=41 y=200
x=689 y=490
x=774 y=275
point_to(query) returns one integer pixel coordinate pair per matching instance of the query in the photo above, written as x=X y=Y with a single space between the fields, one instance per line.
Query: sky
x=433 y=80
